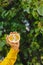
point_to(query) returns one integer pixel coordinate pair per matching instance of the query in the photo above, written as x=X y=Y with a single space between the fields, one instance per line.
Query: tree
x=25 y=17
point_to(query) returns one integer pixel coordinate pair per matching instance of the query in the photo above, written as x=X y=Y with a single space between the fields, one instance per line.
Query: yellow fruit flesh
x=13 y=37
x=16 y=38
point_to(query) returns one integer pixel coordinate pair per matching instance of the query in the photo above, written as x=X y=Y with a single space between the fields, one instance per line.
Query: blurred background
x=25 y=17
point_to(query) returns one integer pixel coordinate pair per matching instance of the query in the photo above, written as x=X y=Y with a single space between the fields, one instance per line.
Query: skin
x=14 y=45
x=12 y=55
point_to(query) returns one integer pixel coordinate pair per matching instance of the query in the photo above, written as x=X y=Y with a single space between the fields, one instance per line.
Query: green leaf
x=41 y=30
x=3 y=14
x=27 y=10
x=2 y=43
x=35 y=14
x=0 y=33
x=40 y=10
x=37 y=30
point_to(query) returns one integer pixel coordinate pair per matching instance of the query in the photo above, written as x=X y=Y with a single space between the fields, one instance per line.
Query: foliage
x=25 y=17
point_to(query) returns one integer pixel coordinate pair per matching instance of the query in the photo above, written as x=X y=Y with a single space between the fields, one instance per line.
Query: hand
x=13 y=44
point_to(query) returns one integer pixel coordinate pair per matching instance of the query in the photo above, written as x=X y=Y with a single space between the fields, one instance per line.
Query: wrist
x=15 y=48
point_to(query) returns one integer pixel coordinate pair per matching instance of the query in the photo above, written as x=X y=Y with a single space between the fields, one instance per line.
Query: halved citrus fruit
x=14 y=37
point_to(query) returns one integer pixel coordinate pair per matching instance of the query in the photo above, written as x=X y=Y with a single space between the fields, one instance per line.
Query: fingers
x=13 y=32
x=7 y=39
x=15 y=46
x=10 y=32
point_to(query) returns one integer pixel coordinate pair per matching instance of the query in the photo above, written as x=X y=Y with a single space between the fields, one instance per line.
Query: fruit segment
x=14 y=37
